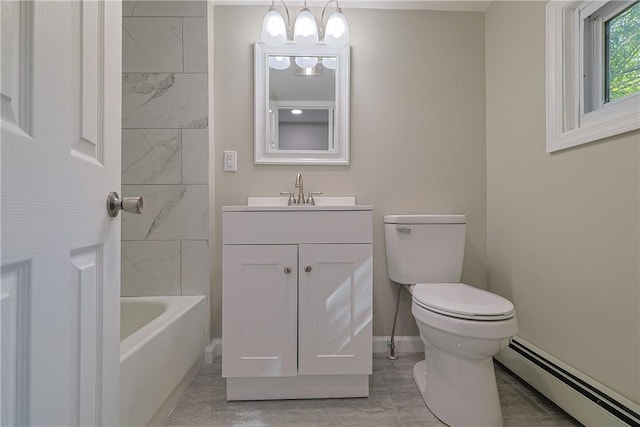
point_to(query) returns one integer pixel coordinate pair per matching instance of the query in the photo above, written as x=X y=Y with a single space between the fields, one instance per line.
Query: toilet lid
x=462 y=301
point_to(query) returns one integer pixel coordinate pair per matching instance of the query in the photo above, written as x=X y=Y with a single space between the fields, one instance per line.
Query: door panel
x=86 y=297
x=259 y=310
x=14 y=337
x=61 y=84
x=335 y=300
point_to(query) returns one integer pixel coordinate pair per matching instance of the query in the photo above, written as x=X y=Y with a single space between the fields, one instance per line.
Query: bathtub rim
x=176 y=307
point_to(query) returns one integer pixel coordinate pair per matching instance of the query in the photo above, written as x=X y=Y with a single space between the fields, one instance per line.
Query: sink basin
x=283 y=200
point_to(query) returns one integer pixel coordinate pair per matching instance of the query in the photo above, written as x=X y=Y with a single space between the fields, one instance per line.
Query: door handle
x=307 y=269
x=115 y=204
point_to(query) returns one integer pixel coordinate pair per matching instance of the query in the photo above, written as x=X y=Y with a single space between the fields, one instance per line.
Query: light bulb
x=274 y=30
x=279 y=62
x=296 y=111
x=337 y=31
x=306 y=61
x=305 y=30
x=329 y=62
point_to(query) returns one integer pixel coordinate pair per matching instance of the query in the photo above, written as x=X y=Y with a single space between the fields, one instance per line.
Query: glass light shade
x=305 y=30
x=337 y=31
x=279 y=62
x=306 y=61
x=330 y=62
x=274 y=30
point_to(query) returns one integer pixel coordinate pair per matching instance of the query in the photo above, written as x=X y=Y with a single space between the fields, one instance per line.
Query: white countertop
x=295 y=208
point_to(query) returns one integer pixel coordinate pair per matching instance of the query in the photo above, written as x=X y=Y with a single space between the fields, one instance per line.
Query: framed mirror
x=301 y=105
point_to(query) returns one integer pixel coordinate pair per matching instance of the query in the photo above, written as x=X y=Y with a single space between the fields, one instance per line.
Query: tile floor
x=394 y=401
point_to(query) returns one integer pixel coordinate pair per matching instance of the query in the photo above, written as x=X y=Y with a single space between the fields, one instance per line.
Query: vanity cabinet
x=297 y=302
x=260 y=310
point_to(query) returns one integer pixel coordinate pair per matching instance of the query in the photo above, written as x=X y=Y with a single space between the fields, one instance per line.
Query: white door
x=259 y=310
x=335 y=300
x=60 y=157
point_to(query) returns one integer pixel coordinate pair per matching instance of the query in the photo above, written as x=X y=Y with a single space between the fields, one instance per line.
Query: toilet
x=462 y=327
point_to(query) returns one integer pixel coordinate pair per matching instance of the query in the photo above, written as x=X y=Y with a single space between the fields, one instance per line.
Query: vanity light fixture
x=276 y=32
x=316 y=70
x=306 y=61
x=329 y=62
x=279 y=62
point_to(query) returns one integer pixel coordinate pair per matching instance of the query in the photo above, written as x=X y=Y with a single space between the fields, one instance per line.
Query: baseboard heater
x=580 y=397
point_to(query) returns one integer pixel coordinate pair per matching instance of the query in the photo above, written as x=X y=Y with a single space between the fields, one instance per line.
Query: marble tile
x=516 y=405
x=164 y=8
x=152 y=45
x=128 y=7
x=151 y=156
x=195 y=45
x=204 y=403
x=171 y=212
x=203 y=414
x=150 y=268
x=195 y=156
x=195 y=267
x=164 y=101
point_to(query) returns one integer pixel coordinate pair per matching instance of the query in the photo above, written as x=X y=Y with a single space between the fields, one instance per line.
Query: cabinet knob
x=307 y=269
x=287 y=270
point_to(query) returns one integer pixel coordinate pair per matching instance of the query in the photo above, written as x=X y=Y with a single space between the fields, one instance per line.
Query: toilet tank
x=425 y=248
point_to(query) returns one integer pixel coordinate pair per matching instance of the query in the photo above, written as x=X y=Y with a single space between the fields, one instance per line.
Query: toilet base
x=460 y=392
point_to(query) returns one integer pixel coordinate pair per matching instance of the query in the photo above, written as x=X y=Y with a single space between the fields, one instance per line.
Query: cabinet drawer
x=297 y=227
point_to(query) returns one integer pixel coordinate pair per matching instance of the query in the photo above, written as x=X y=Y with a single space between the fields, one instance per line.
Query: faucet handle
x=310 y=199
x=292 y=199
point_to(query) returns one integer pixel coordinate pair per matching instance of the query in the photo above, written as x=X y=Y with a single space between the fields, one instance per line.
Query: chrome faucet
x=300 y=186
x=300 y=199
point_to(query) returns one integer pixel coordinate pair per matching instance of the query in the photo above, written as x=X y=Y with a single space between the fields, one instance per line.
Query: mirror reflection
x=302 y=91
x=301 y=105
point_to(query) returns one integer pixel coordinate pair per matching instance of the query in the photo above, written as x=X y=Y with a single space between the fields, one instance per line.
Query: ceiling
x=451 y=5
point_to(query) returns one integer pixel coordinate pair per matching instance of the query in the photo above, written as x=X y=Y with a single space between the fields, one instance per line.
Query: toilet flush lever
x=403 y=230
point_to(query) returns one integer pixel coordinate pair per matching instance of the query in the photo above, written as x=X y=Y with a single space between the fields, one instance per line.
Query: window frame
x=576 y=111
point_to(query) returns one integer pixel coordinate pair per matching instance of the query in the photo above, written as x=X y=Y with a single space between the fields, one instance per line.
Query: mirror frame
x=341 y=132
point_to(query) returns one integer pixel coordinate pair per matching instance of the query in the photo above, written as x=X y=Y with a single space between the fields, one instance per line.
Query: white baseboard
x=404 y=344
x=213 y=350
x=562 y=394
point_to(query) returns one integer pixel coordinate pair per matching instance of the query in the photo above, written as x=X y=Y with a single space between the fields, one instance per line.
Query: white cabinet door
x=60 y=99
x=335 y=315
x=259 y=310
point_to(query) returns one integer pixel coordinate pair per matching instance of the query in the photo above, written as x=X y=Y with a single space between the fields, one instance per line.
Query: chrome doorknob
x=115 y=204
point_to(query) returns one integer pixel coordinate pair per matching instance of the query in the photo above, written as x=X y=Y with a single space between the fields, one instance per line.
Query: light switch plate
x=230 y=161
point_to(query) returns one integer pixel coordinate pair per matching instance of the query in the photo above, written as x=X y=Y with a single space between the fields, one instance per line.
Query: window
x=622 y=57
x=593 y=71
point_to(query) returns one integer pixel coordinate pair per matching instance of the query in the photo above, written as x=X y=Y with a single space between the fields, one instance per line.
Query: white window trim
x=567 y=124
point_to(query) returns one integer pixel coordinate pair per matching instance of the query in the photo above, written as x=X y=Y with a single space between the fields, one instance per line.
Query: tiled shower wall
x=165 y=251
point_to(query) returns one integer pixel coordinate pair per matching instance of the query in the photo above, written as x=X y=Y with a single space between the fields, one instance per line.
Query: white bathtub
x=162 y=343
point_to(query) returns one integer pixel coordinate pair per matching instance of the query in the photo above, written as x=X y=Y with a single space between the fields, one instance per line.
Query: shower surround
x=165 y=251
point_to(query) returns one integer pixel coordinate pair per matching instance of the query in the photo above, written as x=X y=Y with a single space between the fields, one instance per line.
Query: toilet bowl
x=461 y=327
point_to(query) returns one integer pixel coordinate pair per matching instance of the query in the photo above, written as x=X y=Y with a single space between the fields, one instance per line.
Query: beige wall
x=417 y=131
x=563 y=229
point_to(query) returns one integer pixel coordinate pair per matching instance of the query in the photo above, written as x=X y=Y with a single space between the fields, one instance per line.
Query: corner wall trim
x=585 y=399
x=213 y=350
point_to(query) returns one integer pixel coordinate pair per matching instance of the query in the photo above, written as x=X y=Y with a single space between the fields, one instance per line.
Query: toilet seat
x=462 y=301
